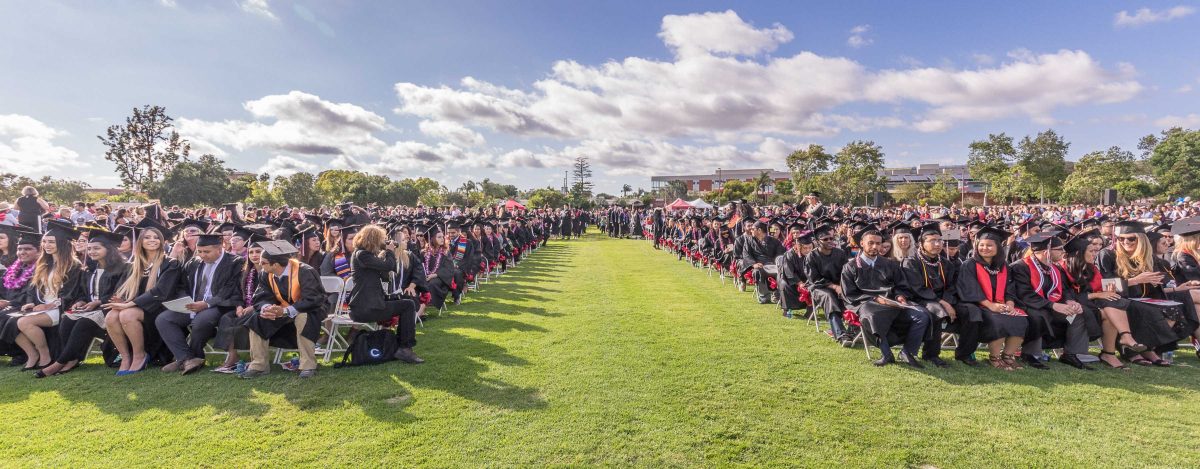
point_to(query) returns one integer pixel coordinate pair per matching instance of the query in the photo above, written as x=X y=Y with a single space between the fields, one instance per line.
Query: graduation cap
x=226 y=226
x=1186 y=226
x=305 y=233
x=1131 y=226
x=1025 y=225
x=109 y=237
x=148 y=223
x=153 y=211
x=858 y=234
x=1080 y=242
x=952 y=237
x=1044 y=240
x=191 y=222
x=61 y=230
x=899 y=227
x=210 y=239
x=31 y=238
x=1154 y=237
x=994 y=234
x=277 y=248
x=931 y=229
x=1164 y=226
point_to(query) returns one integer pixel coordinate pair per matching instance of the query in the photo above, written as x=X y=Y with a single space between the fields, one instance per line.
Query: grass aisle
x=605 y=352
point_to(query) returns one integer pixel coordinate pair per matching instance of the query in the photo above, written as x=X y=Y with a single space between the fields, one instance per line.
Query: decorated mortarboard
x=1186 y=226
x=952 y=236
x=277 y=248
x=994 y=234
x=1080 y=242
x=1044 y=240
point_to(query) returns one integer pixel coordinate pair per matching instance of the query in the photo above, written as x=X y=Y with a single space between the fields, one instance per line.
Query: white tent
x=701 y=204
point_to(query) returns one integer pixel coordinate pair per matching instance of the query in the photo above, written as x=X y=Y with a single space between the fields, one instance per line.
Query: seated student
x=792 y=294
x=289 y=306
x=823 y=276
x=876 y=289
x=1083 y=278
x=230 y=333
x=438 y=269
x=933 y=281
x=153 y=278
x=56 y=283
x=1147 y=276
x=84 y=322
x=213 y=280
x=373 y=266
x=987 y=296
x=1052 y=310
x=1185 y=262
x=758 y=252
x=17 y=289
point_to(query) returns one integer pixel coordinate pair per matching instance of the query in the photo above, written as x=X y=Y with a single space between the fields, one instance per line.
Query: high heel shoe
x=1110 y=365
x=145 y=361
x=1136 y=347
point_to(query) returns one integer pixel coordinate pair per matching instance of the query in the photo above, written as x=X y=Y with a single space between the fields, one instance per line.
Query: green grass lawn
x=606 y=352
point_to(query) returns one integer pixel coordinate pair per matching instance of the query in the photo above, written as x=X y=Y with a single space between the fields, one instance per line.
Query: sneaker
x=288 y=366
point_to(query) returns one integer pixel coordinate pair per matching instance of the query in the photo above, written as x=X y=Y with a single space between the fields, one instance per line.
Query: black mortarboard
x=226 y=226
x=153 y=211
x=211 y=239
x=1186 y=226
x=931 y=228
x=1153 y=237
x=106 y=236
x=61 y=229
x=994 y=234
x=858 y=234
x=1025 y=225
x=805 y=237
x=187 y=222
x=148 y=223
x=1131 y=225
x=1079 y=244
x=277 y=248
x=1044 y=240
x=29 y=237
x=1165 y=226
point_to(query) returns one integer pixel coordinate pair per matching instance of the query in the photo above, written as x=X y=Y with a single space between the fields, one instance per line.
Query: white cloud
x=258 y=7
x=710 y=92
x=1190 y=121
x=1144 y=16
x=167 y=3
x=1184 y=89
x=721 y=33
x=303 y=124
x=452 y=132
x=983 y=59
x=283 y=165
x=27 y=147
x=858 y=36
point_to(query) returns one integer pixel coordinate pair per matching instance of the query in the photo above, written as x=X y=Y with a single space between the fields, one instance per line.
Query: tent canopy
x=679 y=204
x=701 y=204
x=511 y=204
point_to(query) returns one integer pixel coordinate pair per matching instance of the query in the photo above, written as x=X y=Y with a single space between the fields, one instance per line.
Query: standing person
x=289 y=306
x=374 y=266
x=31 y=207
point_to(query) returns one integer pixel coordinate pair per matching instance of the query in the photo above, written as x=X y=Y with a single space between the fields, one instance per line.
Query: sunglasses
x=1127 y=239
x=825 y=239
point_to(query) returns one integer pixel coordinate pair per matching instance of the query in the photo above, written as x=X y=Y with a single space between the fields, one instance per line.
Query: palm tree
x=762 y=182
x=625 y=190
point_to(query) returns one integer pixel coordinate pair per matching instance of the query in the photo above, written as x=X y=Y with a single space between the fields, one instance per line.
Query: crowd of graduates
x=167 y=287
x=1027 y=283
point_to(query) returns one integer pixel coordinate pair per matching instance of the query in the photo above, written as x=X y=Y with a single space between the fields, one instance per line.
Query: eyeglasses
x=1128 y=239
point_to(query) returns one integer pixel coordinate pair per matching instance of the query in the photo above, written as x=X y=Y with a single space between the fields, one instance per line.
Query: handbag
x=370 y=348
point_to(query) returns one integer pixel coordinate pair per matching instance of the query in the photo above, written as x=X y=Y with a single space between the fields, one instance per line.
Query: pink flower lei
x=16 y=277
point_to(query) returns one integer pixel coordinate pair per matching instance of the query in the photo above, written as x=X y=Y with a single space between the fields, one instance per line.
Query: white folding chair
x=340 y=317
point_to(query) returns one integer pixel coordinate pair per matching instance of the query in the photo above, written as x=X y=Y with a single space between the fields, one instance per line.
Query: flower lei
x=437 y=264
x=17 y=278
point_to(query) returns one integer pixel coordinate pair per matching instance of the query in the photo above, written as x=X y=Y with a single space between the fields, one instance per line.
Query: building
x=705 y=183
x=921 y=174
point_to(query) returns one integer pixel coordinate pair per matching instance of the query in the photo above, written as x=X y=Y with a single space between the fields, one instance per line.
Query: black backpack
x=370 y=348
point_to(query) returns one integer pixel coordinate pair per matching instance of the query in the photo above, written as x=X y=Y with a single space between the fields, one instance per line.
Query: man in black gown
x=823 y=276
x=791 y=271
x=213 y=279
x=1053 y=313
x=758 y=253
x=289 y=306
x=875 y=287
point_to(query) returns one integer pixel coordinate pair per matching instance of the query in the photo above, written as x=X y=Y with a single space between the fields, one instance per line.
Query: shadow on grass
x=456 y=364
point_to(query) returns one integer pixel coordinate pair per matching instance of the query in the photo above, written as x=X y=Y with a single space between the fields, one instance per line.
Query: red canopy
x=511 y=204
x=679 y=204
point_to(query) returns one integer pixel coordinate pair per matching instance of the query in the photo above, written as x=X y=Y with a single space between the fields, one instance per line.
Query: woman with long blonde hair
x=56 y=282
x=152 y=279
x=1150 y=277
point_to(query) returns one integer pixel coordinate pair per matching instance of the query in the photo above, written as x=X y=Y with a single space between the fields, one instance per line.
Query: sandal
x=1136 y=347
x=1110 y=365
x=1140 y=360
x=1012 y=362
x=999 y=363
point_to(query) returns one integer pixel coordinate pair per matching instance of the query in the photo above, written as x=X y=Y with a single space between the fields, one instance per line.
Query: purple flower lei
x=14 y=280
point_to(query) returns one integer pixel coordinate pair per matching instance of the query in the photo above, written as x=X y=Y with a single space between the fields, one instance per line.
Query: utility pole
x=565 y=173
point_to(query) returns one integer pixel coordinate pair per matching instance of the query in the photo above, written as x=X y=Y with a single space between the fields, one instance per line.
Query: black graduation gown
x=281 y=332
x=70 y=291
x=970 y=296
x=440 y=286
x=17 y=298
x=226 y=284
x=821 y=271
x=165 y=288
x=1184 y=315
x=930 y=282
x=791 y=279
x=84 y=330
x=862 y=283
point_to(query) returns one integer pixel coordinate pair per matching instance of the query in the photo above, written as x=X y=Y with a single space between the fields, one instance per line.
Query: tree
x=258 y=191
x=911 y=192
x=340 y=185
x=1134 y=189
x=1175 y=162
x=1097 y=171
x=297 y=190
x=143 y=149
x=625 y=189
x=59 y=191
x=944 y=190
x=808 y=167
x=761 y=182
x=784 y=188
x=1044 y=160
x=675 y=190
x=205 y=181
x=857 y=174
x=988 y=160
x=581 y=187
x=547 y=197
x=733 y=190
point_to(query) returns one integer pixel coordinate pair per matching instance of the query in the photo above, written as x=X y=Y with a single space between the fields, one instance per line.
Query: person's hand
x=836 y=289
x=4 y=303
x=267 y=313
x=902 y=300
x=758 y=265
x=1107 y=295
x=242 y=310
x=411 y=290
x=1075 y=306
x=881 y=300
x=949 y=310
x=430 y=277
x=197 y=306
x=1063 y=309
x=27 y=307
x=1147 y=277
x=997 y=308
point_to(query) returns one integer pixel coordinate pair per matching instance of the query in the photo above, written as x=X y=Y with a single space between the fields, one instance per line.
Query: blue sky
x=513 y=91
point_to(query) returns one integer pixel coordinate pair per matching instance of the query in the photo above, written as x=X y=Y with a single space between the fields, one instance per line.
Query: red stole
x=985 y=282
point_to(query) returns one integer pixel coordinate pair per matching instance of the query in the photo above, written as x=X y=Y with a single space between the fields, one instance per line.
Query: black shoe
x=1034 y=362
x=883 y=361
x=938 y=362
x=406 y=355
x=1073 y=360
x=968 y=361
x=910 y=360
